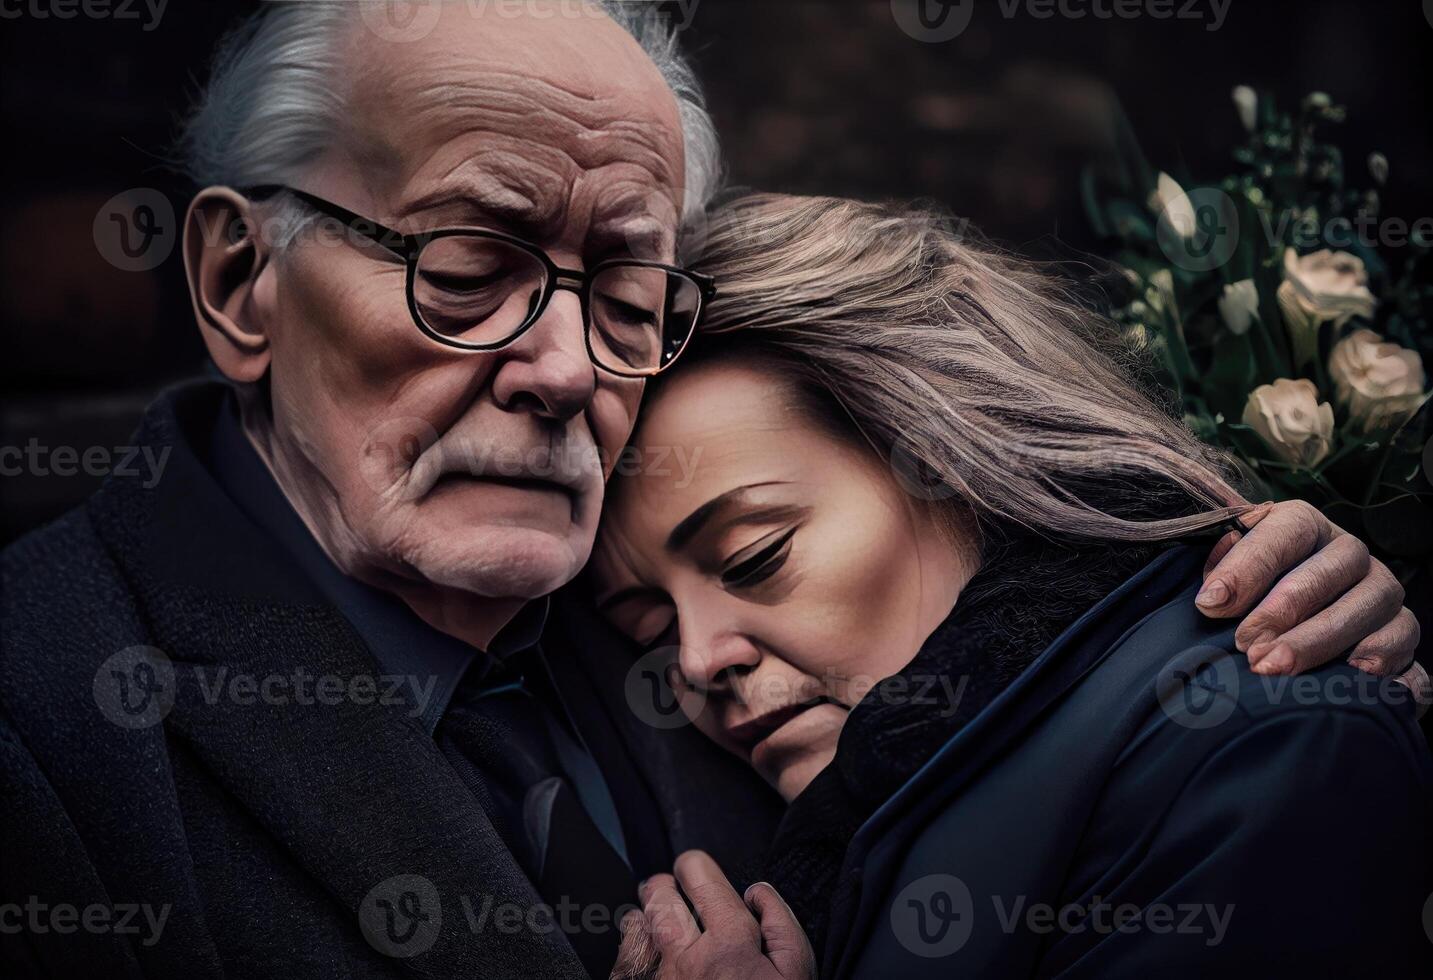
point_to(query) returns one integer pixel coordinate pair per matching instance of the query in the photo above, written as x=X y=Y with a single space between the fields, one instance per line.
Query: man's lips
x=517 y=482
x=567 y=471
x=749 y=734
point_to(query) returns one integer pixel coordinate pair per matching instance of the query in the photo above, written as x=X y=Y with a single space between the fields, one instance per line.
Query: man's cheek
x=386 y=451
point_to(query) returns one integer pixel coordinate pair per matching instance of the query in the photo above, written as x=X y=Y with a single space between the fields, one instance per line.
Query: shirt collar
x=430 y=661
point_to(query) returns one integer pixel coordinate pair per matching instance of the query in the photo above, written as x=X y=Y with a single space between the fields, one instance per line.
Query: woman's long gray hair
x=981 y=379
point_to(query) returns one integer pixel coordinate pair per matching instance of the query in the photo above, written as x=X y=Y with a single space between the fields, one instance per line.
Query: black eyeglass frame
x=409 y=247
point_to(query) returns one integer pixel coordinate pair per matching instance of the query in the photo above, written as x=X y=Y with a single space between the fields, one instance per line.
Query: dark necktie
x=505 y=733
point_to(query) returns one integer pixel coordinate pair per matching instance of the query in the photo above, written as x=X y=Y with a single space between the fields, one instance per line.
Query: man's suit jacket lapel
x=359 y=793
x=707 y=798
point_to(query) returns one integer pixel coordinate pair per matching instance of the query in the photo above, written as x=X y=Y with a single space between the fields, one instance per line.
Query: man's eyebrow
x=642 y=237
x=691 y=525
x=500 y=204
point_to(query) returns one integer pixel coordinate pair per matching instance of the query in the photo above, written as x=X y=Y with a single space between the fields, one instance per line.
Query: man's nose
x=547 y=370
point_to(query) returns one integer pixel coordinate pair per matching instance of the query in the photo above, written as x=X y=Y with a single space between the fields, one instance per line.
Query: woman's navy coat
x=1140 y=804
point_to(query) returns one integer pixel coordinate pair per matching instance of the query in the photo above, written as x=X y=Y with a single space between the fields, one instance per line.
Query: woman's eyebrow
x=692 y=525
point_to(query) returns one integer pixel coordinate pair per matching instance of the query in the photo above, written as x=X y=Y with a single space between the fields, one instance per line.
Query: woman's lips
x=750 y=735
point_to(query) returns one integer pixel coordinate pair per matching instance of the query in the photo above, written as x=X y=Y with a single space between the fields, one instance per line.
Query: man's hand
x=1332 y=596
x=732 y=937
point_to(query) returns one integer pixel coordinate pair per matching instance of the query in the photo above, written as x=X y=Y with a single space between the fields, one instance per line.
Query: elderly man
x=304 y=707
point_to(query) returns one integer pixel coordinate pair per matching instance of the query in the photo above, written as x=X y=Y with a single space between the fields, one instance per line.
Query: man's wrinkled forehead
x=559 y=126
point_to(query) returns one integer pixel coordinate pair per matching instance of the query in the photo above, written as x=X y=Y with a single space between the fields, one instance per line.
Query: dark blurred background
x=811 y=97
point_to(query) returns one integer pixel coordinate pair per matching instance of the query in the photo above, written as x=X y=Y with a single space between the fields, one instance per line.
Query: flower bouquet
x=1289 y=318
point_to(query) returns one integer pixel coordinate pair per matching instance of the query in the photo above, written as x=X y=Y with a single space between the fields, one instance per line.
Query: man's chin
x=498 y=560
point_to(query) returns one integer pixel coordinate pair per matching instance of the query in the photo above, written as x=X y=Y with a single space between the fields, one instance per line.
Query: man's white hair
x=274 y=100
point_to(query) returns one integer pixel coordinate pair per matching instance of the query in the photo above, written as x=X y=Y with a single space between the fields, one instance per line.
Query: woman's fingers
x=1364 y=609
x=1328 y=574
x=717 y=903
x=669 y=921
x=1278 y=539
x=782 y=937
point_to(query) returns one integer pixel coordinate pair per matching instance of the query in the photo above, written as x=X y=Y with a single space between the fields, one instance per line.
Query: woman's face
x=783 y=569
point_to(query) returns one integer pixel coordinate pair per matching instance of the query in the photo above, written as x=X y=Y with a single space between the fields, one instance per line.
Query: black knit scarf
x=1029 y=589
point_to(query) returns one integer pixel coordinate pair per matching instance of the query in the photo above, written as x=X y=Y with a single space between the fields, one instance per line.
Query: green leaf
x=1231 y=373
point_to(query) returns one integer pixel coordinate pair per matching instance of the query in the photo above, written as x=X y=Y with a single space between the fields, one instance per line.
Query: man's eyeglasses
x=480 y=290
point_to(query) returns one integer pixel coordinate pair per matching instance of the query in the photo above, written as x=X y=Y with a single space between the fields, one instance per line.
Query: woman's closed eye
x=758 y=561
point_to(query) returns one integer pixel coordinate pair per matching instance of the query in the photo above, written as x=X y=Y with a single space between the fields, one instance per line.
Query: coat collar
x=1072 y=656
x=357 y=791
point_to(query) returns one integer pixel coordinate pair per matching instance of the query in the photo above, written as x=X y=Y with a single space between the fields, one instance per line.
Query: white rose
x=1319 y=287
x=1239 y=305
x=1290 y=418
x=1169 y=198
x=1380 y=383
x=1329 y=285
x=1246 y=100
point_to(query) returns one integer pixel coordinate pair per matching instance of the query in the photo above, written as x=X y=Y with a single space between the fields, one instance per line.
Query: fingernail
x=1278 y=661
x=746 y=895
x=1214 y=593
x=1262 y=644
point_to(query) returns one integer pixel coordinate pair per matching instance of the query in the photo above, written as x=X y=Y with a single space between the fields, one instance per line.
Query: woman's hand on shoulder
x=1308 y=591
x=752 y=937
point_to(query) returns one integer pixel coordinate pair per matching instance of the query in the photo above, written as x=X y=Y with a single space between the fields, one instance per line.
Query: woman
x=928 y=577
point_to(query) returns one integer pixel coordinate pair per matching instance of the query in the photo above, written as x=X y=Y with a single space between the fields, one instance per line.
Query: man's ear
x=224 y=255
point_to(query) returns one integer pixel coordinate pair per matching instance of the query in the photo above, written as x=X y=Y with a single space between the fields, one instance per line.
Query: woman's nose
x=711 y=662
